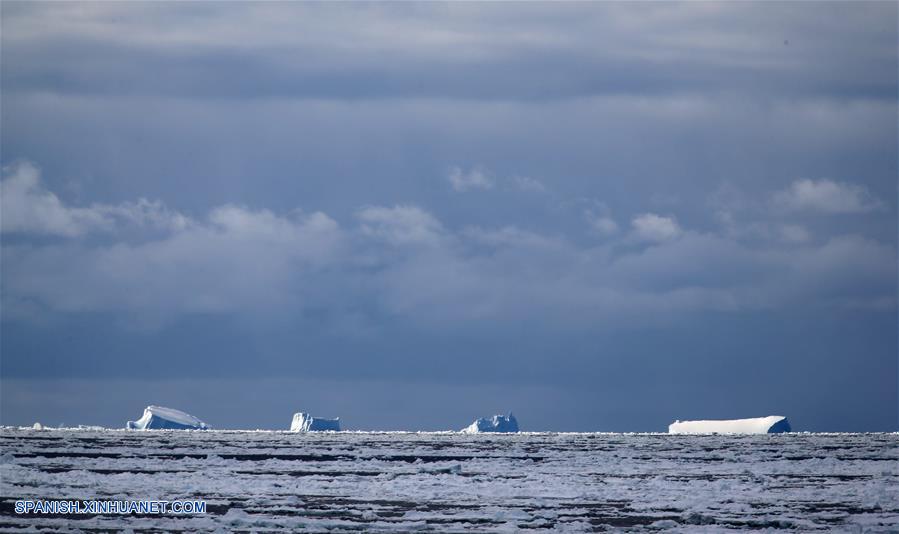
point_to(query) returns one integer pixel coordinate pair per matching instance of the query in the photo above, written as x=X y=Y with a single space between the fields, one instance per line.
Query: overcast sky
x=600 y=216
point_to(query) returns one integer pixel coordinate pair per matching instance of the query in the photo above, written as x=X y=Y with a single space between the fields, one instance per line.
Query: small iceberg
x=160 y=418
x=497 y=423
x=304 y=422
x=773 y=424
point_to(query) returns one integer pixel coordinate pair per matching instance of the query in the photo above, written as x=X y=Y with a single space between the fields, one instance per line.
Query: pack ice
x=159 y=417
x=773 y=424
x=304 y=422
x=497 y=423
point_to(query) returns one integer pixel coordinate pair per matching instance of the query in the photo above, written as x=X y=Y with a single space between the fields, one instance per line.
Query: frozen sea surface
x=269 y=481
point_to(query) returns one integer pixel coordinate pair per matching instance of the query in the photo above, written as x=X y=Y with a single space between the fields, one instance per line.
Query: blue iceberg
x=497 y=423
x=304 y=422
x=773 y=424
x=161 y=418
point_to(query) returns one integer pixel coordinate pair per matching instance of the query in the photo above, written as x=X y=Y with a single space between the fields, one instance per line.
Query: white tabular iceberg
x=304 y=422
x=773 y=424
x=161 y=418
x=497 y=423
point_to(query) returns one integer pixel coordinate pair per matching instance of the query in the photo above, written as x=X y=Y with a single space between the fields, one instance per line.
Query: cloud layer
x=407 y=262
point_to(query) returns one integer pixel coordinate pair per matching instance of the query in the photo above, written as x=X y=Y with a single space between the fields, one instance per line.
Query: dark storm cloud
x=447 y=51
x=609 y=205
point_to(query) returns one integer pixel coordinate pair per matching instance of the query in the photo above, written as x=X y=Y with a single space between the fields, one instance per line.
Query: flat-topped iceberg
x=773 y=424
x=161 y=418
x=497 y=423
x=304 y=422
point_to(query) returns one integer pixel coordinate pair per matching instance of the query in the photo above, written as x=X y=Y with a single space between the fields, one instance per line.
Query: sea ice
x=158 y=418
x=498 y=423
x=304 y=422
x=773 y=424
x=546 y=482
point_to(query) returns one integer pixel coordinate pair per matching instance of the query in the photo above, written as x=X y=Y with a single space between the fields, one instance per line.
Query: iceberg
x=304 y=422
x=773 y=424
x=159 y=418
x=497 y=423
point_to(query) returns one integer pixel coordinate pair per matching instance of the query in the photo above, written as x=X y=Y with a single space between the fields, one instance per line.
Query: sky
x=598 y=216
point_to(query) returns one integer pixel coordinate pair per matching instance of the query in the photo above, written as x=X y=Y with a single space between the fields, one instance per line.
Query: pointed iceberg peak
x=773 y=424
x=304 y=422
x=161 y=418
x=497 y=423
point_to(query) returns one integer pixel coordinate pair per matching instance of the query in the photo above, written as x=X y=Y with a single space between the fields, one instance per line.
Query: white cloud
x=827 y=196
x=601 y=224
x=28 y=208
x=264 y=224
x=144 y=213
x=652 y=227
x=509 y=236
x=605 y=225
x=528 y=184
x=793 y=233
x=238 y=260
x=400 y=224
x=599 y=218
x=476 y=178
x=481 y=178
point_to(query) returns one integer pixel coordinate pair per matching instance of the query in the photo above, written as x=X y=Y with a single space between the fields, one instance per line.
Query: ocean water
x=349 y=481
